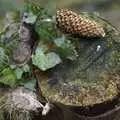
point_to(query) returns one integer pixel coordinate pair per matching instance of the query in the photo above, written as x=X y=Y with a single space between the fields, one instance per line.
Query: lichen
x=81 y=93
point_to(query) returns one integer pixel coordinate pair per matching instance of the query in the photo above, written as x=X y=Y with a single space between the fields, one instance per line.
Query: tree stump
x=88 y=85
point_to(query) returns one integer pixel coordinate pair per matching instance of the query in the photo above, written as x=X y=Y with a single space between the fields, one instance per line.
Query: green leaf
x=45 y=61
x=26 y=68
x=30 y=85
x=18 y=73
x=66 y=48
x=46 y=31
x=8 y=77
x=20 y=70
x=31 y=18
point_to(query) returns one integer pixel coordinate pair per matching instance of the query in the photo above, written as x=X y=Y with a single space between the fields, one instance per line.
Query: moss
x=86 y=94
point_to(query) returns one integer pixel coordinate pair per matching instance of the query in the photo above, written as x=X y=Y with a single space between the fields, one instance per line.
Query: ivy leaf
x=31 y=18
x=18 y=73
x=46 y=31
x=8 y=77
x=20 y=70
x=66 y=48
x=30 y=85
x=26 y=68
x=45 y=61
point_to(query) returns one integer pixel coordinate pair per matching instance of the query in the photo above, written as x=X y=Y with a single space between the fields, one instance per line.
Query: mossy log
x=93 y=77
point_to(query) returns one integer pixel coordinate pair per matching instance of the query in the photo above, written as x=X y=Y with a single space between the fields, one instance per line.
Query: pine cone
x=72 y=23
